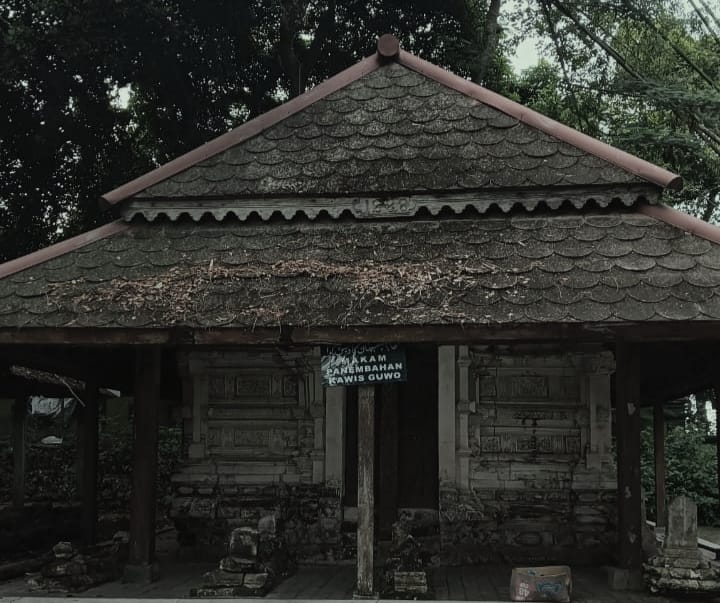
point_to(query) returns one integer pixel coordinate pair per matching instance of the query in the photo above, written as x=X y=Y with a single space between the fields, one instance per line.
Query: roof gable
x=393 y=126
x=392 y=130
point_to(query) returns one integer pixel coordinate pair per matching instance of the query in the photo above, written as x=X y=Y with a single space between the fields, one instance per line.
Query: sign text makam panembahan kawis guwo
x=363 y=364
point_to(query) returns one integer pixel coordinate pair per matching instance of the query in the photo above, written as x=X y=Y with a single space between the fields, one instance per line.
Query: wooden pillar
x=19 y=414
x=627 y=400
x=446 y=415
x=141 y=559
x=366 y=499
x=87 y=435
x=659 y=442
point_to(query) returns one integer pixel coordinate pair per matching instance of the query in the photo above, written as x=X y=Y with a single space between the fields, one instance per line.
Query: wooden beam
x=19 y=415
x=672 y=371
x=85 y=336
x=659 y=445
x=87 y=435
x=443 y=334
x=366 y=495
x=141 y=560
x=447 y=400
x=627 y=400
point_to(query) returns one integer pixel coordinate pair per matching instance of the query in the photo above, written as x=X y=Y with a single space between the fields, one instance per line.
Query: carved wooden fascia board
x=385 y=206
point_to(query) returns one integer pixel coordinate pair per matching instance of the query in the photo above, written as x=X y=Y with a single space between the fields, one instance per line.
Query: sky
x=526 y=55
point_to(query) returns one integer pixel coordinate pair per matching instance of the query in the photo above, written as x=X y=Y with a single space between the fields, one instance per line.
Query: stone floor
x=486 y=583
x=326 y=583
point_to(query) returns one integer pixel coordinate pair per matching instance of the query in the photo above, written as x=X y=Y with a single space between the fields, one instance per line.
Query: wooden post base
x=141 y=573
x=373 y=596
x=620 y=578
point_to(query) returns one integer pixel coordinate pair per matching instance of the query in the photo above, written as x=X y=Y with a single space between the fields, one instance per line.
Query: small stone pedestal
x=405 y=576
x=244 y=572
x=73 y=570
x=680 y=567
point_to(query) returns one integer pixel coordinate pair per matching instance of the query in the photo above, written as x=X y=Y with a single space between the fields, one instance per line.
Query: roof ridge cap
x=682 y=220
x=622 y=159
x=53 y=251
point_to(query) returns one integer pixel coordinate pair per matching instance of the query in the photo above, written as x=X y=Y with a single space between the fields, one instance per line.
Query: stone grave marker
x=681 y=532
x=680 y=565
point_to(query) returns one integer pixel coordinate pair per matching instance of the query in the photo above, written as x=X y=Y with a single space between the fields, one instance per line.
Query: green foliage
x=691 y=468
x=115 y=463
x=642 y=75
x=51 y=474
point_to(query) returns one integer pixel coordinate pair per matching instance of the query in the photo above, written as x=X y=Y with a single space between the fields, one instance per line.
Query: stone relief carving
x=265 y=387
x=252 y=438
x=522 y=386
x=290 y=386
x=524 y=444
x=255 y=386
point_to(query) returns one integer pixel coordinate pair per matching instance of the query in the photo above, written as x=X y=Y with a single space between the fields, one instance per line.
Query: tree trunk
x=482 y=35
x=291 y=13
x=490 y=42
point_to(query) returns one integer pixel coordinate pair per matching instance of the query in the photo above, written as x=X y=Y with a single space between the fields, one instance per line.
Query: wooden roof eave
x=607 y=332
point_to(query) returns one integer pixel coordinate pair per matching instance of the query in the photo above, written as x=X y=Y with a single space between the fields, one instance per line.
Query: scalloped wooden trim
x=362 y=207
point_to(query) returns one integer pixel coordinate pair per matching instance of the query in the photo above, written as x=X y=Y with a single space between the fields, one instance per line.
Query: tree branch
x=679 y=51
x=619 y=59
x=710 y=137
x=705 y=21
x=710 y=11
x=563 y=65
x=325 y=32
x=286 y=44
x=710 y=207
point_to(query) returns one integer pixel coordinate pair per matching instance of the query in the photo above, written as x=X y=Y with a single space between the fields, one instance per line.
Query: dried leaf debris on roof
x=593 y=267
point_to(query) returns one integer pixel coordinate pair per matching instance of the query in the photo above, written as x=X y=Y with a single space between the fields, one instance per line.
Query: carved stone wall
x=540 y=484
x=254 y=452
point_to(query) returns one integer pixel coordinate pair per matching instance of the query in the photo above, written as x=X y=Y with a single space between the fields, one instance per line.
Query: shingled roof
x=394 y=132
x=591 y=267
